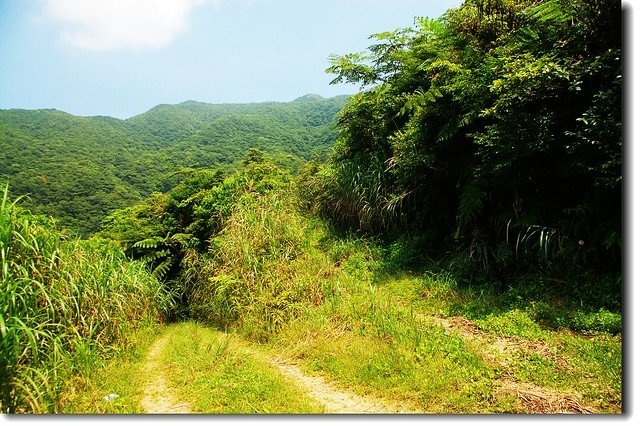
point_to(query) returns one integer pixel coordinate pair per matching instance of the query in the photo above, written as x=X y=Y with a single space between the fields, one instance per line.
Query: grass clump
x=263 y=269
x=64 y=304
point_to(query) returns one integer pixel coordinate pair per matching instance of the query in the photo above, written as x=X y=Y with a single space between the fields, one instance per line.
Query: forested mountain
x=78 y=169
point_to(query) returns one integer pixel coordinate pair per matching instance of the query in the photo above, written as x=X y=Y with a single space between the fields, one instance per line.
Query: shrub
x=262 y=270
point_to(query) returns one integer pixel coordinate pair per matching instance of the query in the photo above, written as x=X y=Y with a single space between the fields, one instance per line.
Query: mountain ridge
x=307 y=97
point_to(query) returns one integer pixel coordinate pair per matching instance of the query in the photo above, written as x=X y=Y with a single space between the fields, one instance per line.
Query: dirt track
x=158 y=397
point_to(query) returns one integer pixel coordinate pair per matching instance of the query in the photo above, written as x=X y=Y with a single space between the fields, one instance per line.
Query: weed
x=512 y=323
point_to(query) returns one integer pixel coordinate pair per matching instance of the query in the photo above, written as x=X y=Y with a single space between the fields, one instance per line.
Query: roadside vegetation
x=116 y=384
x=65 y=304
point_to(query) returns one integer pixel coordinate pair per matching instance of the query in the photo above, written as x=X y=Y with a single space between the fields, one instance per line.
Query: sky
x=123 y=57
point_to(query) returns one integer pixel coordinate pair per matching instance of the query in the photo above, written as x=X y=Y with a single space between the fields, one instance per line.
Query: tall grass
x=63 y=303
x=263 y=270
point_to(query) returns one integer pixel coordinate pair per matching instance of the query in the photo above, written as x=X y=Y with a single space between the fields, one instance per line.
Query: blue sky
x=122 y=57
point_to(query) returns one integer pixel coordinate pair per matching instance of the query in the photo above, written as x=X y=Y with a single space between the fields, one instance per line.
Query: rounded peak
x=311 y=97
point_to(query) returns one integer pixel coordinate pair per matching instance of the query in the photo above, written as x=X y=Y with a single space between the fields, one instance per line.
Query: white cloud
x=120 y=24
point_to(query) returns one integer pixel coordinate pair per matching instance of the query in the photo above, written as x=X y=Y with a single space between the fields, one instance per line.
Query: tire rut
x=334 y=399
x=158 y=397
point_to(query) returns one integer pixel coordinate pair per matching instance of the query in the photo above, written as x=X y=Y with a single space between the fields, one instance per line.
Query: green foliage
x=488 y=139
x=257 y=279
x=448 y=347
x=601 y=321
x=274 y=275
x=230 y=246
x=494 y=132
x=80 y=169
x=63 y=303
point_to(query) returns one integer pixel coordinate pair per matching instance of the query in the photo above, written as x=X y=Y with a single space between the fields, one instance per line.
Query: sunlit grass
x=376 y=348
x=216 y=374
x=379 y=333
x=123 y=375
x=343 y=309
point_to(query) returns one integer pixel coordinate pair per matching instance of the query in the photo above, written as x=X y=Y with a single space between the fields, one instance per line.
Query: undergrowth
x=64 y=304
x=263 y=269
x=370 y=315
x=379 y=317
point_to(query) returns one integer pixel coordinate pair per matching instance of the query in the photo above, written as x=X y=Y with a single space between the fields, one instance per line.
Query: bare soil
x=158 y=397
x=334 y=399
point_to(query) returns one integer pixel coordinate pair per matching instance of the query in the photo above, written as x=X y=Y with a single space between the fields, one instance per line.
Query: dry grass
x=533 y=399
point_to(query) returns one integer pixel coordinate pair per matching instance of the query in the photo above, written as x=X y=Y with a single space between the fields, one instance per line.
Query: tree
x=493 y=131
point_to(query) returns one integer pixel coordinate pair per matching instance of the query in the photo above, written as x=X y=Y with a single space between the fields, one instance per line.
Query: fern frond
x=549 y=11
x=161 y=270
x=450 y=129
x=155 y=255
x=471 y=202
x=182 y=238
x=148 y=243
x=434 y=28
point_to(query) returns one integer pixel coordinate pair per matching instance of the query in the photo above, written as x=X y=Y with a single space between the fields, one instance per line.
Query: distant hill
x=78 y=169
x=311 y=97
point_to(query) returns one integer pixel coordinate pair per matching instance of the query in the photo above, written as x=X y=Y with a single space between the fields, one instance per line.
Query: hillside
x=78 y=169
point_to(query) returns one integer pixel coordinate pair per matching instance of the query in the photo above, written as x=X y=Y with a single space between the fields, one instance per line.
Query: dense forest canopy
x=493 y=132
x=78 y=169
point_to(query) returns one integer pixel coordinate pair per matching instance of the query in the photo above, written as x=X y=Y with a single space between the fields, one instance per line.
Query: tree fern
x=454 y=126
x=549 y=11
x=149 y=243
x=155 y=255
x=163 y=268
